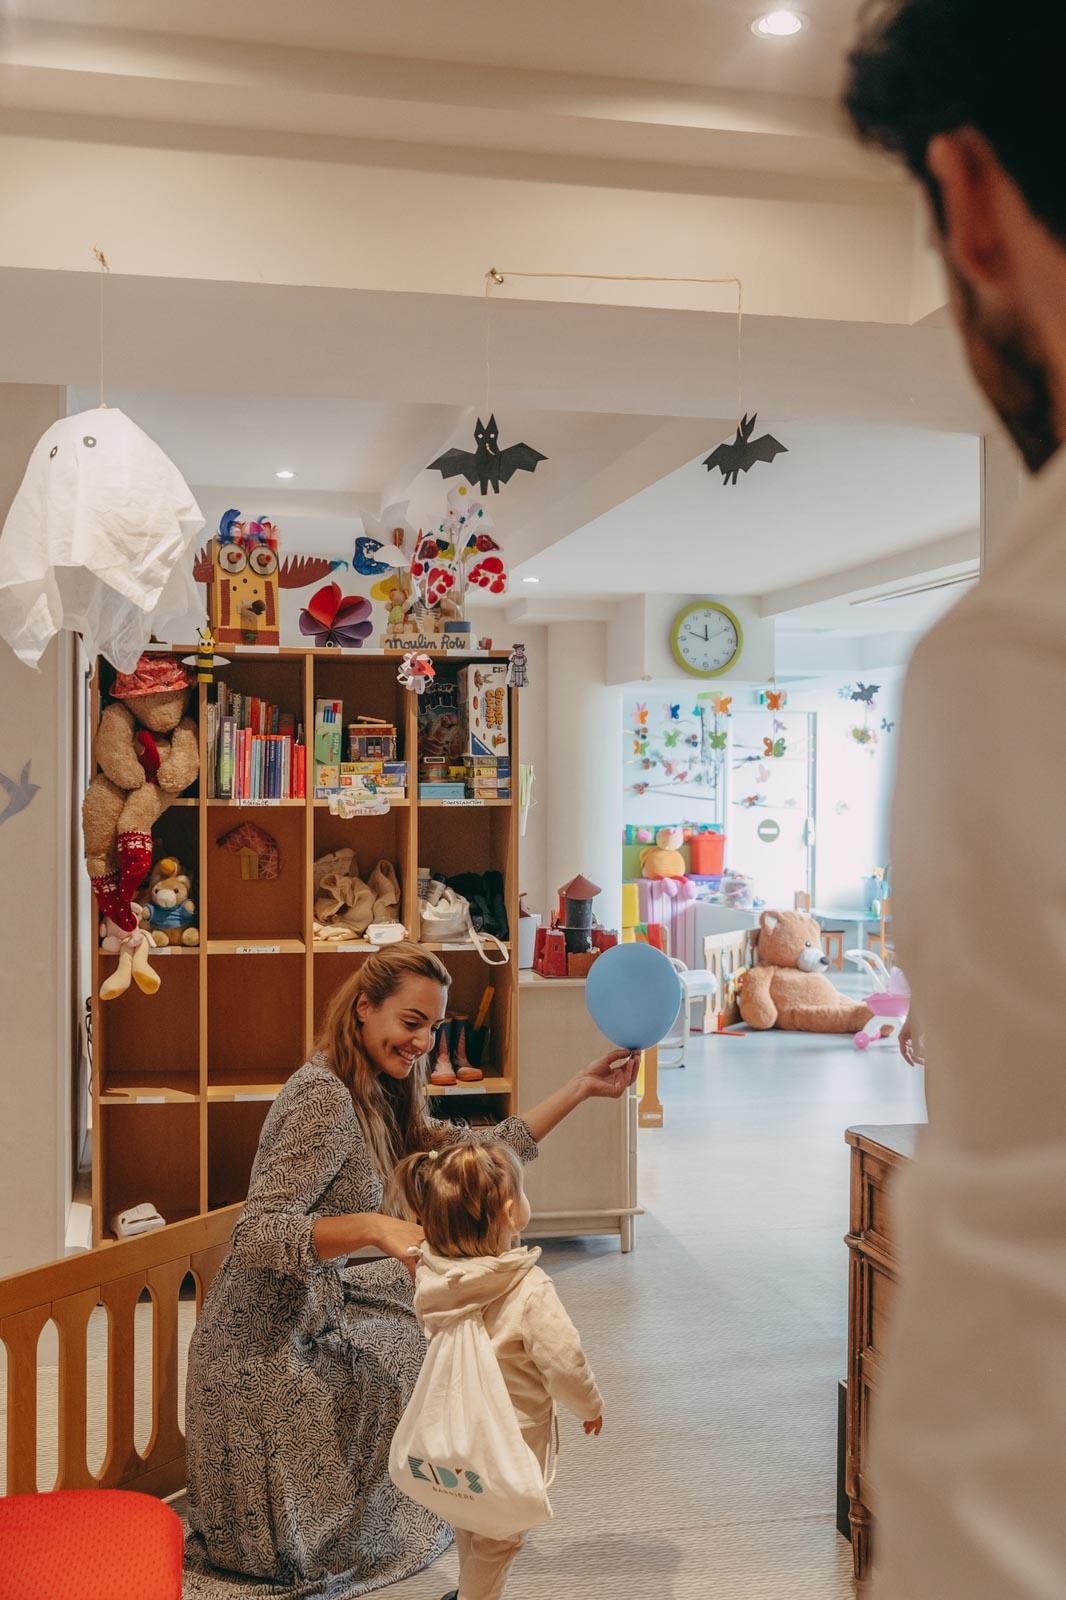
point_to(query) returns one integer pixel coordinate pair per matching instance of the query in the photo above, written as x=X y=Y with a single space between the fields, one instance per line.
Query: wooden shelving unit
x=182 y=1080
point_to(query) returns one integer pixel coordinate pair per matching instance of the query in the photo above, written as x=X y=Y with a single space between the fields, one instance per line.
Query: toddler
x=471 y=1205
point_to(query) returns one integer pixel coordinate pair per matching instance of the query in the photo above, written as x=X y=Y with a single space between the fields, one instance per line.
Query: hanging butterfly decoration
x=674 y=713
x=776 y=699
x=718 y=741
x=773 y=749
x=779 y=726
x=335 y=621
x=886 y=726
x=750 y=801
x=764 y=774
x=671 y=737
x=640 y=788
x=722 y=705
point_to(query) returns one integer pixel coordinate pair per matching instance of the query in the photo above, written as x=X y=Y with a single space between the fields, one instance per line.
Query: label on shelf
x=462 y=802
x=258 y=649
x=464 y=944
x=257 y=950
x=246 y=802
x=149 y=1099
x=461 y=1088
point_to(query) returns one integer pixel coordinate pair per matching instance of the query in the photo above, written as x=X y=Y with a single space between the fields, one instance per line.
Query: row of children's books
x=255 y=751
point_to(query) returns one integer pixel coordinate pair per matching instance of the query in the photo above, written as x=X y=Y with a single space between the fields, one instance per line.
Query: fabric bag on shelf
x=444 y=915
x=385 y=887
x=344 y=903
x=488 y=908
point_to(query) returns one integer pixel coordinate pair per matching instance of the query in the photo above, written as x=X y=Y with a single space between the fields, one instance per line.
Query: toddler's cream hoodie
x=537 y=1346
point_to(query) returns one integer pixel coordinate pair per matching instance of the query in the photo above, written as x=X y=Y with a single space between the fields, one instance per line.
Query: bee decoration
x=205 y=660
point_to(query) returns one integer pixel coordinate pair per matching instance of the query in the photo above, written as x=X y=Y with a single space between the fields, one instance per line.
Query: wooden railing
x=68 y=1292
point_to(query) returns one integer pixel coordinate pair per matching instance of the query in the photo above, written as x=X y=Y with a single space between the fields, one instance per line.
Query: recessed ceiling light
x=778 y=24
x=284 y=473
x=530 y=580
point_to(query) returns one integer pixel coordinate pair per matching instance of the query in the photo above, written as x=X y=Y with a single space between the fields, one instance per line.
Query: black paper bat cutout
x=744 y=452
x=488 y=466
x=864 y=692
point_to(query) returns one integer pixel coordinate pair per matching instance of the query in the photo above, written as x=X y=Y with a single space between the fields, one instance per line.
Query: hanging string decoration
x=861 y=733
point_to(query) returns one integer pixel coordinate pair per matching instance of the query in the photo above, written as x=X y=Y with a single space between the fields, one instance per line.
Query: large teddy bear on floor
x=787 y=988
x=147 y=750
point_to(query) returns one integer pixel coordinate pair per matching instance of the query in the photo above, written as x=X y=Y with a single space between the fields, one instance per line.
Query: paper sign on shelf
x=257 y=950
x=462 y=802
x=245 y=802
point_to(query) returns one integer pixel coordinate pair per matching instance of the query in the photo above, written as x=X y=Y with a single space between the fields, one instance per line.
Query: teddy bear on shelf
x=663 y=863
x=147 y=751
x=170 y=915
x=787 y=988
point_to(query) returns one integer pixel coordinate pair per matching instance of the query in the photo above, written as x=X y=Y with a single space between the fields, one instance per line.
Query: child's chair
x=89 y=1544
x=881 y=941
x=832 y=938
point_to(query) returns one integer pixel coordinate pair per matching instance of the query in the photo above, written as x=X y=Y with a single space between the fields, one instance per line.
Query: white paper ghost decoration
x=98 y=541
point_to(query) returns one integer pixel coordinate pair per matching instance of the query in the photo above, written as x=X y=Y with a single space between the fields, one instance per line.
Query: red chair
x=89 y=1544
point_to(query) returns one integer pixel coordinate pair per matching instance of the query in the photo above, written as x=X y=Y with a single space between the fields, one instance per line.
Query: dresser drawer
x=878 y=1290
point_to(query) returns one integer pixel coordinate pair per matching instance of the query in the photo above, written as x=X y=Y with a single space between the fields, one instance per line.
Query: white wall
x=584 y=779
x=854 y=789
x=35 y=869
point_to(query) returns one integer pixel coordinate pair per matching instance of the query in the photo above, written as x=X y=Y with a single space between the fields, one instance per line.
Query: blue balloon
x=633 y=994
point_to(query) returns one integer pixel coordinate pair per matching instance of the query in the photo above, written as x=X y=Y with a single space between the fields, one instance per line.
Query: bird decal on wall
x=487 y=465
x=18 y=794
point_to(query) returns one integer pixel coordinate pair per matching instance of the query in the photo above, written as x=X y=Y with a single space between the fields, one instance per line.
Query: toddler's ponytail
x=462 y=1197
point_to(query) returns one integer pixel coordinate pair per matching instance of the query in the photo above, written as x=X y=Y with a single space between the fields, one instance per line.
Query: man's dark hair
x=924 y=67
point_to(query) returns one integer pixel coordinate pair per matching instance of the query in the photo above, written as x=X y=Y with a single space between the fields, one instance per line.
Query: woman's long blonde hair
x=391 y=1111
x=464 y=1198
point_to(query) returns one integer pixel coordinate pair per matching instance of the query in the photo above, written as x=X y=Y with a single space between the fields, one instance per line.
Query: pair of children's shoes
x=451 y=1064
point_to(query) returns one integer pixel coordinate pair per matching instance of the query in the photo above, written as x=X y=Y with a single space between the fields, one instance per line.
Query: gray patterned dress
x=299 y=1371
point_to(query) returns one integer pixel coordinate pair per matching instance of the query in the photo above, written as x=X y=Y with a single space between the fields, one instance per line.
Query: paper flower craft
x=416 y=671
x=372 y=558
x=336 y=621
x=489 y=573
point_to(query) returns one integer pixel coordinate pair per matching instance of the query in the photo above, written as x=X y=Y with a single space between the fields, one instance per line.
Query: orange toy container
x=707 y=854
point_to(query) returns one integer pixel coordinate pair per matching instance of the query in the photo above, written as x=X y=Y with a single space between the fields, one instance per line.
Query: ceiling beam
x=663 y=447
x=940 y=555
x=425 y=441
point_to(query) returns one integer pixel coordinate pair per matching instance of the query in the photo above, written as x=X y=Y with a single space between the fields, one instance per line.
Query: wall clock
x=706 y=639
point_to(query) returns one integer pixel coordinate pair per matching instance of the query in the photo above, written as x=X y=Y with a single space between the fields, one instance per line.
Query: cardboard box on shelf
x=484 y=710
x=329 y=716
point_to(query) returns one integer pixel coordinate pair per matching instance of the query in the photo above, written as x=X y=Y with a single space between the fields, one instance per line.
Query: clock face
x=707 y=639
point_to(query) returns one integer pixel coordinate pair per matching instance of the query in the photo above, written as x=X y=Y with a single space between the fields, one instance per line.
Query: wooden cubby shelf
x=182 y=1080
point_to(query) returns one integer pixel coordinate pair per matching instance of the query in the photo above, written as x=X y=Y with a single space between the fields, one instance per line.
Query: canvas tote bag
x=458 y=1449
x=446 y=919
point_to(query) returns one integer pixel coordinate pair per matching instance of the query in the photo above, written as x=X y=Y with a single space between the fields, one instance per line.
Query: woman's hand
x=594 y=1428
x=401 y=1240
x=610 y=1076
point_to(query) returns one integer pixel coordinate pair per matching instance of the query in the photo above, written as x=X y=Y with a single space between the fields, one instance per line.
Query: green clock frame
x=675 y=637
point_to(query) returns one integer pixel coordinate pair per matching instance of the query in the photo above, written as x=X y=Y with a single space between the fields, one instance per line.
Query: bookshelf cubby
x=183 y=1080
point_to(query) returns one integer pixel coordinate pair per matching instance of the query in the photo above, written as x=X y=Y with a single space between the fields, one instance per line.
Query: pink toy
x=889 y=1003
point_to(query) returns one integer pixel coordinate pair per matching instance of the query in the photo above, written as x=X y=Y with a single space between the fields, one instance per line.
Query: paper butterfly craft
x=722 y=704
x=776 y=699
x=886 y=726
x=773 y=748
x=670 y=738
x=717 y=741
x=642 y=715
x=674 y=713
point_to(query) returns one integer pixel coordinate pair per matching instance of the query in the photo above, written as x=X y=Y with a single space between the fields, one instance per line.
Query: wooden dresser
x=876 y=1155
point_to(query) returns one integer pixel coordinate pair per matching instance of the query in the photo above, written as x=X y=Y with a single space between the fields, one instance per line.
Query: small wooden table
x=877 y=1153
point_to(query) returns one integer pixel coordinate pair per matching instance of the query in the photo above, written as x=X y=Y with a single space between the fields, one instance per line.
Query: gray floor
x=718 y=1342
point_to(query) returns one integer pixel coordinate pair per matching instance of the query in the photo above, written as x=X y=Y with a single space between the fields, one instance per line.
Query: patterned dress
x=300 y=1369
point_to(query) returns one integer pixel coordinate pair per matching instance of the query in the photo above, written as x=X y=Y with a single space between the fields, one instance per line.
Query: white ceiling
x=704 y=42
x=841 y=497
